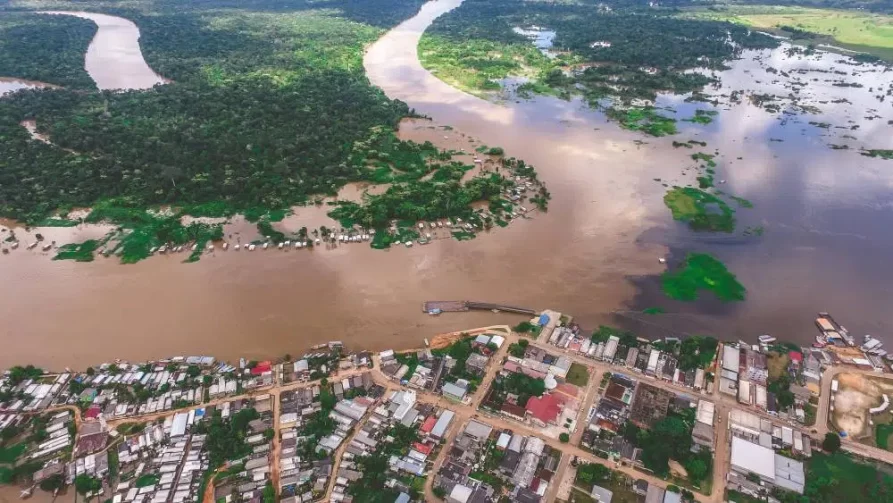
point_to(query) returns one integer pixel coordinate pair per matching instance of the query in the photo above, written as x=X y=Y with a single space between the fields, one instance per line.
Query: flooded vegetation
x=701 y=272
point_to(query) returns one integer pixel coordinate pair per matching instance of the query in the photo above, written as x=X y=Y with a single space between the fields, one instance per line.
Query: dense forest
x=45 y=48
x=268 y=107
x=267 y=101
x=601 y=49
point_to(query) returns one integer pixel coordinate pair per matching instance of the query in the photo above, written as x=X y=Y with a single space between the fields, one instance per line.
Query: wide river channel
x=826 y=245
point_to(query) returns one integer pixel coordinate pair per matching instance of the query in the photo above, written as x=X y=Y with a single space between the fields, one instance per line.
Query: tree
x=696 y=468
x=592 y=473
x=86 y=484
x=831 y=442
x=564 y=438
x=669 y=438
x=440 y=492
x=52 y=483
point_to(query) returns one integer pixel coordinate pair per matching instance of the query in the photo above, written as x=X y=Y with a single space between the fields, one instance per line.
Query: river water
x=114 y=59
x=824 y=211
x=9 y=85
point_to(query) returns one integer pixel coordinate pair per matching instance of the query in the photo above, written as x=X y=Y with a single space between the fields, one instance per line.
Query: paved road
x=565 y=471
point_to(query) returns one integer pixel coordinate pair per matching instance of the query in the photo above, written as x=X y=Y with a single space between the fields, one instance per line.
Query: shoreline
x=239 y=232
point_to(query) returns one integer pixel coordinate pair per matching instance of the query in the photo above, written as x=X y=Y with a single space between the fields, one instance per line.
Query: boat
x=408 y=244
x=236 y=247
x=662 y=260
x=767 y=339
x=433 y=312
x=225 y=246
x=266 y=245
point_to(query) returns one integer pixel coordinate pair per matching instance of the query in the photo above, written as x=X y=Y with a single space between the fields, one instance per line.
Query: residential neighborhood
x=532 y=413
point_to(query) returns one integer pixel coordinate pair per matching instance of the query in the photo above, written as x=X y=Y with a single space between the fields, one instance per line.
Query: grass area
x=839 y=477
x=736 y=497
x=578 y=375
x=882 y=434
x=580 y=496
x=778 y=364
x=11 y=453
x=860 y=31
x=701 y=271
x=146 y=480
x=703 y=211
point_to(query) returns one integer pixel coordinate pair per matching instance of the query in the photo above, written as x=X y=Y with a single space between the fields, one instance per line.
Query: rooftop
x=545 y=408
x=753 y=458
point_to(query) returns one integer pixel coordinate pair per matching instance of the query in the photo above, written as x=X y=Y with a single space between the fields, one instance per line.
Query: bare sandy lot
x=856 y=394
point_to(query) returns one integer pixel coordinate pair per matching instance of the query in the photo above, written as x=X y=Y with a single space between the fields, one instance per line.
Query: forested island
x=267 y=107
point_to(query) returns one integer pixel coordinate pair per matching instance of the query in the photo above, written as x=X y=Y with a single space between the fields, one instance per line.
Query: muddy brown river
x=594 y=254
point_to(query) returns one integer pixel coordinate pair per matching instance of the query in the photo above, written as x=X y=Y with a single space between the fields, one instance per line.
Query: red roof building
x=92 y=412
x=261 y=367
x=428 y=425
x=796 y=357
x=544 y=409
x=423 y=448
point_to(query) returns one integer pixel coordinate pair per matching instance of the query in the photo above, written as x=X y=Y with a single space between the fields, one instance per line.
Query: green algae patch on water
x=702 y=117
x=644 y=119
x=79 y=252
x=701 y=271
x=701 y=210
x=883 y=154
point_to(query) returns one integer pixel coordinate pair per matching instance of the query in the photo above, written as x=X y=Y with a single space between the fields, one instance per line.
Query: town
x=540 y=411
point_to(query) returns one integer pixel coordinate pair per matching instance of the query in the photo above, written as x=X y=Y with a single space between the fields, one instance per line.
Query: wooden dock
x=457 y=306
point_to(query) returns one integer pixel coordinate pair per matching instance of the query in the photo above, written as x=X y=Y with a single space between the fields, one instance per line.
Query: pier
x=457 y=306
